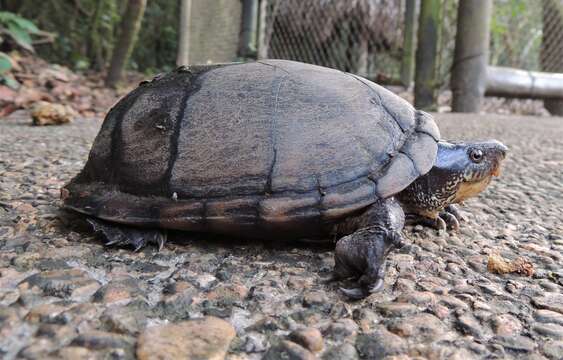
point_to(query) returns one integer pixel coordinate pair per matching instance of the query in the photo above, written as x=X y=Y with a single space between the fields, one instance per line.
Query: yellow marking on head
x=471 y=189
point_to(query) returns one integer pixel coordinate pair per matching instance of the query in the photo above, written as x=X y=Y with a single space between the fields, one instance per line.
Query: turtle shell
x=252 y=148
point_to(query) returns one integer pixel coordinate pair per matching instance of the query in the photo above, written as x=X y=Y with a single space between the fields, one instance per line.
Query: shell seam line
x=273 y=135
x=176 y=133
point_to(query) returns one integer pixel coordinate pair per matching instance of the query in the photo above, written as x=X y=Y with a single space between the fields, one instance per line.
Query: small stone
x=440 y=311
x=453 y=302
x=553 y=302
x=288 y=350
x=506 y=325
x=315 y=298
x=44 y=313
x=467 y=324
x=310 y=338
x=204 y=338
x=553 y=349
x=341 y=330
x=367 y=319
x=395 y=309
x=421 y=298
x=299 y=282
x=124 y=320
x=100 y=340
x=548 y=316
x=515 y=343
x=423 y=326
x=255 y=342
x=60 y=283
x=345 y=351
x=379 y=344
x=228 y=293
x=74 y=353
x=551 y=330
x=118 y=292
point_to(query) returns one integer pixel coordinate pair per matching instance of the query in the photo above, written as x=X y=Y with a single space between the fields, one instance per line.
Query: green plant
x=19 y=30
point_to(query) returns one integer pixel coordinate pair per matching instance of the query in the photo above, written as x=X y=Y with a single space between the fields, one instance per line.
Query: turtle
x=276 y=149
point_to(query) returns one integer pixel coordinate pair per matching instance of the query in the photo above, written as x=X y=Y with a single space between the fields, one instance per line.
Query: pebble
x=379 y=344
x=204 y=338
x=310 y=338
x=515 y=343
x=553 y=302
x=553 y=349
x=288 y=350
x=506 y=325
x=553 y=331
x=548 y=316
x=421 y=326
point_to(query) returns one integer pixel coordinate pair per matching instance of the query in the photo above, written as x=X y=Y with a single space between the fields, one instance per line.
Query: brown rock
x=506 y=325
x=44 y=113
x=118 y=292
x=310 y=338
x=396 y=309
x=205 y=338
x=61 y=283
x=423 y=326
x=288 y=350
x=553 y=302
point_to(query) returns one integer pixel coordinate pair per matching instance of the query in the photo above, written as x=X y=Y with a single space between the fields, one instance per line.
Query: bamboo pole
x=426 y=84
x=183 y=56
x=247 y=42
x=407 y=60
x=471 y=55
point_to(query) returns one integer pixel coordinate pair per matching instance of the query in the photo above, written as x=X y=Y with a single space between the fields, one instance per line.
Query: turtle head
x=467 y=168
x=461 y=170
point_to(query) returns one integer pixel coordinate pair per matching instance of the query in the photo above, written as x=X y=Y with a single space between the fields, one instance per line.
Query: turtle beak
x=500 y=151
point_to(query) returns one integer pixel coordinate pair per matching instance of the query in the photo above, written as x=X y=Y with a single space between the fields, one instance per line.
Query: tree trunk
x=551 y=56
x=407 y=61
x=471 y=56
x=130 y=25
x=429 y=26
x=184 y=33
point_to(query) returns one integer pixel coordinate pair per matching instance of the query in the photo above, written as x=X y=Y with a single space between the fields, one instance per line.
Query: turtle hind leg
x=122 y=235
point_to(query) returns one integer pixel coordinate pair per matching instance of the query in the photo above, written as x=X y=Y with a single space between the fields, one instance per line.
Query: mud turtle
x=275 y=149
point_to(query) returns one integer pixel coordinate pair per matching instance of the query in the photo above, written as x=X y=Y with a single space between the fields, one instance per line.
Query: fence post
x=182 y=57
x=247 y=41
x=262 y=28
x=429 y=29
x=407 y=61
x=551 y=56
x=471 y=55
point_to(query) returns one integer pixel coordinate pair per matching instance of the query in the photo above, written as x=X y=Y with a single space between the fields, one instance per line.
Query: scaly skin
x=459 y=172
x=457 y=175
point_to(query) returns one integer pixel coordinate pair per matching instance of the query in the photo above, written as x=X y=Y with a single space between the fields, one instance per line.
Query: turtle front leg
x=122 y=235
x=447 y=219
x=362 y=254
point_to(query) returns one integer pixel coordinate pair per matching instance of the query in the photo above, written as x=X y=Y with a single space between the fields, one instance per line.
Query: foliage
x=87 y=29
x=19 y=30
x=516 y=30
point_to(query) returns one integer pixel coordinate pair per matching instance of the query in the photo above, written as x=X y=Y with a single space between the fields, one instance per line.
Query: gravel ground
x=63 y=295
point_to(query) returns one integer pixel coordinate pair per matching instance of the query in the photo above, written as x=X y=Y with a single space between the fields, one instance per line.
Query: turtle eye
x=476 y=155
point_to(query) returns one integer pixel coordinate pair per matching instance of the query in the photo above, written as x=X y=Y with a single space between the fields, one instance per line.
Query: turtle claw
x=119 y=235
x=359 y=293
x=354 y=293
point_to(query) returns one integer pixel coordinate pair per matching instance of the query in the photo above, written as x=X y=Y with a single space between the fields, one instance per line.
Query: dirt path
x=63 y=294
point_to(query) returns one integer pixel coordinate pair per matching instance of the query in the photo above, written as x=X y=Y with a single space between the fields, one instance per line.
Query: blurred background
x=408 y=45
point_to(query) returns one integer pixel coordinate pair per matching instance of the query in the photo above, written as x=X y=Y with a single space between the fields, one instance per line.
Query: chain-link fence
x=359 y=36
x=366 y=36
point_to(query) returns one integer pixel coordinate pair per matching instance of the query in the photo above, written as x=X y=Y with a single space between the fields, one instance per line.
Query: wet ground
x=63 y=295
